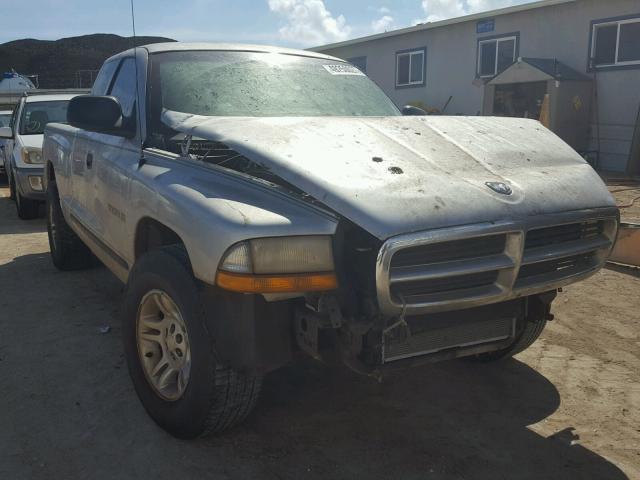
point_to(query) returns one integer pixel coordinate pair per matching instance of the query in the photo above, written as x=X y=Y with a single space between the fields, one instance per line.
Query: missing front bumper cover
x=443 y=336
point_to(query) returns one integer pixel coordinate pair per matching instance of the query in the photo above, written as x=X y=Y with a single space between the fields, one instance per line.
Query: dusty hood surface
x=33 y=141
x=398 y=175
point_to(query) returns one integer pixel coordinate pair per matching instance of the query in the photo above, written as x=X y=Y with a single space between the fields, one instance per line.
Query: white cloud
x=308 y=22
x=442 y=9
x=382 y=24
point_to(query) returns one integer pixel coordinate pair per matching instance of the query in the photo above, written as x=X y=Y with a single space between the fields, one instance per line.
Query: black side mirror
x=97 y=114
x=411 y=111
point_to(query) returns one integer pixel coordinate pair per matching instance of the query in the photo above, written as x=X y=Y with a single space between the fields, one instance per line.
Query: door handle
x=89 y=160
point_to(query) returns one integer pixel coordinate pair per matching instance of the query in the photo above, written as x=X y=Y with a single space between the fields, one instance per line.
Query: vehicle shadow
x=10 y=222
x=451 y=420
x=455 y=420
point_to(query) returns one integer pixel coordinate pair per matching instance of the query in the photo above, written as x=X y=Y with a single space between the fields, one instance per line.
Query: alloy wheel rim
x=163 y=345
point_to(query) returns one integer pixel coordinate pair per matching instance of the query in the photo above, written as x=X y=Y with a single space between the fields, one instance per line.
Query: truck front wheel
x=170 y=351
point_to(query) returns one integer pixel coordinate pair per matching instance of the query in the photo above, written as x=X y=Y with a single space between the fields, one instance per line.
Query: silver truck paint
x=391 y=176
x=399 y=175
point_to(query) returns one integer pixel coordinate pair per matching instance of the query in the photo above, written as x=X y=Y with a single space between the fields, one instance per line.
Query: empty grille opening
x=440 y=285
x=449 y=251
x=545 y=237
x=582 y=262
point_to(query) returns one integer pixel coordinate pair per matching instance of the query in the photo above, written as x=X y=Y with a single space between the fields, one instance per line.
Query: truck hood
x=397 y=175
x=33 y=141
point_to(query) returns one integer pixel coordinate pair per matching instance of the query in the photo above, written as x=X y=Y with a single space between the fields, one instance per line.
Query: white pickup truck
x=261 y=201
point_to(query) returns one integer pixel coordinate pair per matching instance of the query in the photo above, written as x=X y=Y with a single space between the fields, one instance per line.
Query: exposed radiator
x=451 y=335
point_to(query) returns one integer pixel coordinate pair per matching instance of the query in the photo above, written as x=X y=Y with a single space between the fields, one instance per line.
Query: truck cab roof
x=229 y=47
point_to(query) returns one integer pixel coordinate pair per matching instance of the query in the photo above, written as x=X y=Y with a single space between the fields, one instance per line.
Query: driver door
x=83 y=190
x=114 y=159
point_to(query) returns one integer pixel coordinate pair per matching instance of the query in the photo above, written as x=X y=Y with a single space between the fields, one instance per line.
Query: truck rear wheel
x=68 y=252
x=27 y=209
x=170 y=351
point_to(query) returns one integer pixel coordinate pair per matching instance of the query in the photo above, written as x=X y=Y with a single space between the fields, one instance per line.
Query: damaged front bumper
x=255 y=335
x=459 y=291
x=29 y=182
x=375 y=345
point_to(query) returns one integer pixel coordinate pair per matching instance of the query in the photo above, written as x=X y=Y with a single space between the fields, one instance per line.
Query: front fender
x=211 y=208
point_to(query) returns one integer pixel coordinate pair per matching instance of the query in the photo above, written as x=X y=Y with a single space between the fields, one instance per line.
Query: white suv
x=23 y=147
x=5 y=120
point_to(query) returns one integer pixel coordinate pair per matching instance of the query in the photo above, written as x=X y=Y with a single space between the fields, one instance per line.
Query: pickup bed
x=258 y=202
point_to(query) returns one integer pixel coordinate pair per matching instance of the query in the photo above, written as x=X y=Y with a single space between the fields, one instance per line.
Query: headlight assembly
x=32 y=156
x=279 y=265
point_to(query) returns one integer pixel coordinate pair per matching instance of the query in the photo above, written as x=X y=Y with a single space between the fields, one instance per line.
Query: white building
x=458 y=63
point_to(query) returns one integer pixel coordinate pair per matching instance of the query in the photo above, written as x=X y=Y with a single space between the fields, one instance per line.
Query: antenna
x=135 y=62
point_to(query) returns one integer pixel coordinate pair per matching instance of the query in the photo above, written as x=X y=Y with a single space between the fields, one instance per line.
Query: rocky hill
x=58 y=62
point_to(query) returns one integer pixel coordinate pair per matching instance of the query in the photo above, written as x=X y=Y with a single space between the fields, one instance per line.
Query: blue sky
x=297 y=23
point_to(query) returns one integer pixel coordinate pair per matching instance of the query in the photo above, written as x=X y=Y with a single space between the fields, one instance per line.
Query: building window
x=359 y=62
x=615 y=43
x=496 y=54
x=410 y=68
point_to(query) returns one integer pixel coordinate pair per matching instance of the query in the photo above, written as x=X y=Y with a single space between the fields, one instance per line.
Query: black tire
x=68 y=252
x=216 y=396
x=532 y=330
x=27 y=209
x=12 y=187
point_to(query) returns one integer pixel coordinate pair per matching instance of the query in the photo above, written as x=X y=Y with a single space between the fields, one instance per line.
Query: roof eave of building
x=443 y=23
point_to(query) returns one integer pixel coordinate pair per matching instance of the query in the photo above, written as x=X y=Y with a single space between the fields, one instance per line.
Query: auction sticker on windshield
x=343 y=70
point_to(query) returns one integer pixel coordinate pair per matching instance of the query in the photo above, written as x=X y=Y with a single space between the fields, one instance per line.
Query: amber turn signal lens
x=312 y=282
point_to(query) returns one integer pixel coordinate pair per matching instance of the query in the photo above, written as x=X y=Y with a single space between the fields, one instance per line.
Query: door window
x=124 y=89
x=103 y=80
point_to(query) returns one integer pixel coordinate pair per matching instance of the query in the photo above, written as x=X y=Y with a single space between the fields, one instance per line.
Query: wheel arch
x=49 y=174
x=151 y=234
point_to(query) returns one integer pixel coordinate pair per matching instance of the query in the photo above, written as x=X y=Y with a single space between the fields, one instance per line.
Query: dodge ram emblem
x=499 y=187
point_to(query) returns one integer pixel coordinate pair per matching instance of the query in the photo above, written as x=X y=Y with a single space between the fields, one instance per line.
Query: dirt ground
x=568 y=408
x=627 y=194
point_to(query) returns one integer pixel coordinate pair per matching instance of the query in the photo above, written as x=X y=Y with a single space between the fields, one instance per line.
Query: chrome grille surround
x=575 y=260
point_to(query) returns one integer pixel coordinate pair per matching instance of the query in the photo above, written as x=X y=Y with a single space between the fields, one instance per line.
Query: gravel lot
x=568 y=408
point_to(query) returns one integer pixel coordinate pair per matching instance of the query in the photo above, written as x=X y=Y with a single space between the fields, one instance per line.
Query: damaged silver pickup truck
x=260 y=202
